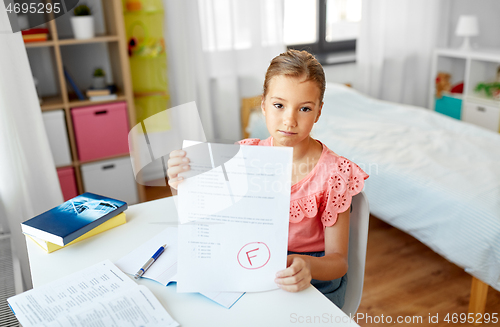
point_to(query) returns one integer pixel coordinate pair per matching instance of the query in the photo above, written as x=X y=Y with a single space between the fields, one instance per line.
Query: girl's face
x=291 y=107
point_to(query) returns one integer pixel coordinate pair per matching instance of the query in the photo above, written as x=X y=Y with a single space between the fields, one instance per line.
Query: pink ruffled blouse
x=318 y=198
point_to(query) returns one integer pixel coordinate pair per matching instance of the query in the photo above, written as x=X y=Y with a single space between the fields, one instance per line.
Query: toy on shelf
x=443 y=85
x=457 y=88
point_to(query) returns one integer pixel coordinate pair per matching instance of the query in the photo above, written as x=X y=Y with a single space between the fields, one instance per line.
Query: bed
x=431 y=176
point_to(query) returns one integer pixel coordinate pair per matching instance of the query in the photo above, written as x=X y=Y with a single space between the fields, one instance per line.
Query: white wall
x=488 y=14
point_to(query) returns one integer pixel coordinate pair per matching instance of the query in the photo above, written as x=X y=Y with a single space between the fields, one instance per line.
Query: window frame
x=322 y=49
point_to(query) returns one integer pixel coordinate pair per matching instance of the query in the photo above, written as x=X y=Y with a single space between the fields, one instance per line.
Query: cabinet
x=471 y=68
x=65 y=51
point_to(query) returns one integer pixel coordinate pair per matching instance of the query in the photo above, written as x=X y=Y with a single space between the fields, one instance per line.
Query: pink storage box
x=68 y=182
x=101 y=131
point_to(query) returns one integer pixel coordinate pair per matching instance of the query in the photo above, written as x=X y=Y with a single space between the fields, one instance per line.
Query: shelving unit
x=471 y=67
x=116 y=44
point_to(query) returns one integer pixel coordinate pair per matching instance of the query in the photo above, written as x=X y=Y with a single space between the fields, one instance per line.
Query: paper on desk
x=164 y=270
x=233 y=232
x=100 y=295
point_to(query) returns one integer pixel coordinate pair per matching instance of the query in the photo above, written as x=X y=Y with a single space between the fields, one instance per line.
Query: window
x=327 y=28
x=229 y=24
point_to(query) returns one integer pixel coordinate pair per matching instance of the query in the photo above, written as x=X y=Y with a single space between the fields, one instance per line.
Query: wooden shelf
x=73 y=103
x=126 y=155
x=116 y=43
x=41 y=44
x=72 y=165
x=97 y=39
x=470 y=68
x=459 y=96
x=52 y=103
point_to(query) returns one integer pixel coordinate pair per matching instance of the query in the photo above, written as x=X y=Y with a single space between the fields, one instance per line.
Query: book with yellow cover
x=73 y=218
x=35 y=37
x=51 y=247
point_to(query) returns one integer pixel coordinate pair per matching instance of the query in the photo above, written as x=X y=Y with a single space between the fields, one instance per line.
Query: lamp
x=467 y=26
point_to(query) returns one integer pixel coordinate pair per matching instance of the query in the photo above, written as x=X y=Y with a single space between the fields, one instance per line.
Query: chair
x=358 y=238
x=247 y=106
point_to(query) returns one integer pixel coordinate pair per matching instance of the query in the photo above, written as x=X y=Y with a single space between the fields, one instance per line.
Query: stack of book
x=35 y=35
x=76 y=219
x=109 y=93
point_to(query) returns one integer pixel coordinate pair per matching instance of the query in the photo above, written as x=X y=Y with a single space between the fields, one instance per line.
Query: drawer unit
x=101 y=131
x=482 y=115
x=67 y=182
x=55 y=126
x=113 y=178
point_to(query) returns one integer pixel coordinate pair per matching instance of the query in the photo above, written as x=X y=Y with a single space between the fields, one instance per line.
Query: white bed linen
x=432 y=176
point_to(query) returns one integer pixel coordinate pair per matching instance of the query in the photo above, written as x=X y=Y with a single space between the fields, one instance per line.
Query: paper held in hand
x=233 y=212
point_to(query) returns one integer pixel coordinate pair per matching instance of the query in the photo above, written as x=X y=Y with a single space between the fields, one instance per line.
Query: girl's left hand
x=296 y=277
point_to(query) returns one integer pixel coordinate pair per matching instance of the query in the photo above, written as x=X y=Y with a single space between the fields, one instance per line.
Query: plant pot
x=83 y=27
x=99 y=82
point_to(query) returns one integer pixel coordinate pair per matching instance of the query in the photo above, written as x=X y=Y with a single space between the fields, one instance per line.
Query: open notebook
x=164 y=270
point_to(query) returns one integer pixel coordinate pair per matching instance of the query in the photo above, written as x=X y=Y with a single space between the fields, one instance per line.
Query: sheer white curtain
x=395 y=46
x=218 y=53
x=28 y=179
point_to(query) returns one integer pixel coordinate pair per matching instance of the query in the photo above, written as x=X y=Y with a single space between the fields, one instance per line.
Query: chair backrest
x=358 y=238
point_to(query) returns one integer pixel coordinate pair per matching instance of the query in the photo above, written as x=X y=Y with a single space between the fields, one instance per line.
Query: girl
x=323 y=183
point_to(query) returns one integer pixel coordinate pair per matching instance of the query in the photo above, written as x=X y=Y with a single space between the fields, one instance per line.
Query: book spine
x=35 y=31
x=35 y=36
x=35 y=40
x=73 y=85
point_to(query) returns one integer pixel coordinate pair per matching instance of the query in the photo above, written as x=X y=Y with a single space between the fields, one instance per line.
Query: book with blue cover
x=73 y=218
x=75 y=88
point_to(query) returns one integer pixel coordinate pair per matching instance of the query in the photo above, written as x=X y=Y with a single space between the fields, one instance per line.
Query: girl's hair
x=296 y=63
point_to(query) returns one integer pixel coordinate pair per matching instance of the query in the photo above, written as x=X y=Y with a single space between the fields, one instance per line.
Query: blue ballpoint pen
x=150 y=262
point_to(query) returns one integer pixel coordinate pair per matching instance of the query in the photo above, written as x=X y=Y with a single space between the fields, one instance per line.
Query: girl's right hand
x=177 y=163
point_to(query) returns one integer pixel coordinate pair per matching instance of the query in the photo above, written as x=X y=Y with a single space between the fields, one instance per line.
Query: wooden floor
x=405 y=278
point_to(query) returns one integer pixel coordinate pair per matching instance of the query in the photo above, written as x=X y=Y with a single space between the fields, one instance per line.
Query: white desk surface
x=272 y=308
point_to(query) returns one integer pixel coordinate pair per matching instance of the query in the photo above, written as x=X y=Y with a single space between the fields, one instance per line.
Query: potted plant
x=99 y=79
x=83 y=22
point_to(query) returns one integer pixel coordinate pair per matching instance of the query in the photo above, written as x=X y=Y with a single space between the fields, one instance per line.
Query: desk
x=272 y=308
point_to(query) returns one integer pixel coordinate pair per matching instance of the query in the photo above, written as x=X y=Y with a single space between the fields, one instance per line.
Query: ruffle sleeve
x=343 y=184
x=249 y=142
x=305 y=207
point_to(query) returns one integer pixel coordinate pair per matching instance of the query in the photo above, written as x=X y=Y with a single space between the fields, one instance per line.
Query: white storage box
x=113 y=178
x=482 y=115
x=55 y=125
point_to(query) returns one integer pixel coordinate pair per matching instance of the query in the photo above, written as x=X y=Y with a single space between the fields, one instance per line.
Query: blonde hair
x=296 y=63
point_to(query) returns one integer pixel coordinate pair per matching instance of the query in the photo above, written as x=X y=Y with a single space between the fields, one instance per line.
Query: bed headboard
x=248 y=105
